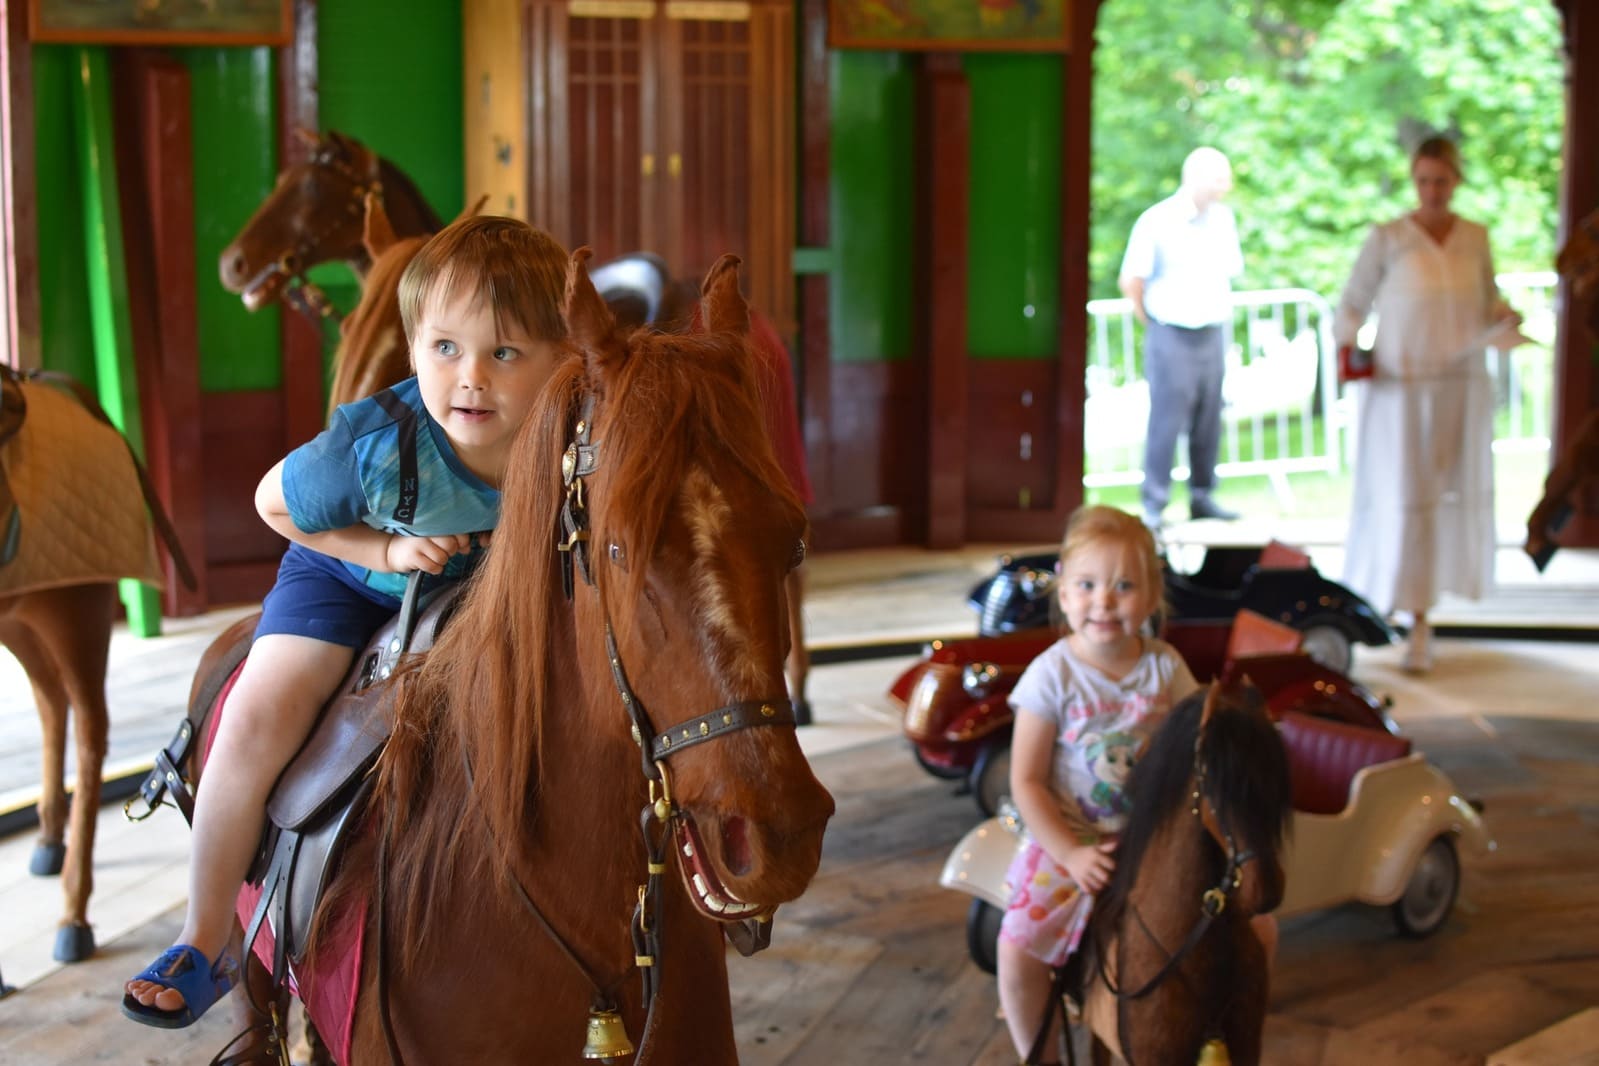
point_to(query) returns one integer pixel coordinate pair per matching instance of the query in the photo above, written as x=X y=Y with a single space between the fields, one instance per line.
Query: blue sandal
x=200 y=981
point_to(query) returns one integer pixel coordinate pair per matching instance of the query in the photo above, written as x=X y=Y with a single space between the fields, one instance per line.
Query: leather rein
x=300 y=292
x=660 y=818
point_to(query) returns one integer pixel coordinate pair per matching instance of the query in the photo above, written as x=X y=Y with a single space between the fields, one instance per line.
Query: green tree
x=1318 y=103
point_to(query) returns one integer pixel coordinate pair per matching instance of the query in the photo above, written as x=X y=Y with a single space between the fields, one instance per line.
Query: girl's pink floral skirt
x=1047 y=912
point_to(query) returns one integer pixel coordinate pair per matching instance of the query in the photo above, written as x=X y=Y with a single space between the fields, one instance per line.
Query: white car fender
x=1368 y=851
x=978 y=864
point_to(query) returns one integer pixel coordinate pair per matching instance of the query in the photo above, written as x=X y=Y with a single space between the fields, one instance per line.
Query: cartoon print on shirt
x=1110 y=759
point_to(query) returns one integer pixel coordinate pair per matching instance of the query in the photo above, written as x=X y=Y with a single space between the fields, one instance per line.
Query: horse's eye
x=798 y=556
x=618 y=555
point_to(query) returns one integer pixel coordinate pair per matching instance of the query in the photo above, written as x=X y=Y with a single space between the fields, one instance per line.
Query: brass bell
x=607 y=1036
x=1214 y=1053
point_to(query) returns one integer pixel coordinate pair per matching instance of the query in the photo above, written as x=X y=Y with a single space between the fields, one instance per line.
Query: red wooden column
x=815 y=170
x=155 y=159
x=1076 y=168
x=19 y=273
x=944 y=126
x=1577 y=353
x=304 y=403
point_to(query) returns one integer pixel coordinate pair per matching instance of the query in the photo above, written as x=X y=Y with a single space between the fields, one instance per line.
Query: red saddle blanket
x=328 y=981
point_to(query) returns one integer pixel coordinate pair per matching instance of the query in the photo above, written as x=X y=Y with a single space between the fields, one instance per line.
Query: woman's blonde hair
x=1441 y=149
x=1098 y=524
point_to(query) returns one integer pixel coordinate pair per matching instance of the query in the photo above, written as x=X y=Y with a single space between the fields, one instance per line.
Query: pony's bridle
x=300 y=292
x=1213 y=901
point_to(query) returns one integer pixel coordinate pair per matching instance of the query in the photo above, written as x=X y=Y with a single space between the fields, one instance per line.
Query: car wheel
x=1329 y=646
x=990 y=779
x=982 y=934
x=1430 y=895
x=942 y=771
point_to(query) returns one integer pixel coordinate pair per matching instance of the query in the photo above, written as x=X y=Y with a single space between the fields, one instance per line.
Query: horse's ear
x=725 y=309
x=378 y=233
x=589 y=320
x=1212 y=701
x=474 y=209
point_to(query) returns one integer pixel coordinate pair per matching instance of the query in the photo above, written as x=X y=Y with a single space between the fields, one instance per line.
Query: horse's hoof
x=74 y=942
x=47 y=859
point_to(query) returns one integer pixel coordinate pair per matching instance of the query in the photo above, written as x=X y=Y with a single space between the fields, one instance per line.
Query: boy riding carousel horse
x=406 y=480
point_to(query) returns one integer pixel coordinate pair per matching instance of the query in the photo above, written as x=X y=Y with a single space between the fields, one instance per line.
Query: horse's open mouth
x=263 y=288
x=705 y=888
x=259 y=296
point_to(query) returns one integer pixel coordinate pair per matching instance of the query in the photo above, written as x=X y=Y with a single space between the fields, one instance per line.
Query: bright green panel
x=872 y=120
x=1013 y=281
x=234 y=113
x=393 y=82
x=66 y=337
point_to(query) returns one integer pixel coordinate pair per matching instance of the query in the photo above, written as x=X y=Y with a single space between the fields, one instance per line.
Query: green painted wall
x=232 y=94
x=66 y=340
x=873 y=111
x=1013 y=283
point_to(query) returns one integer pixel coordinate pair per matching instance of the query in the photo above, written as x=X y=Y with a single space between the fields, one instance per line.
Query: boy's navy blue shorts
x=315 y=596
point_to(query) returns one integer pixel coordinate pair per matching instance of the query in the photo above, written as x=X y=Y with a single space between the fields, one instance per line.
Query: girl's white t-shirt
x=1101 y=725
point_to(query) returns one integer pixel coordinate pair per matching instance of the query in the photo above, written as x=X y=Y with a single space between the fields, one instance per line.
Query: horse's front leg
x=78 y=632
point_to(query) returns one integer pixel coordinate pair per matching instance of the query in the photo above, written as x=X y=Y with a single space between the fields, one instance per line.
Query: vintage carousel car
x=1277 y=581
x=1373 y=823
x=956 y=698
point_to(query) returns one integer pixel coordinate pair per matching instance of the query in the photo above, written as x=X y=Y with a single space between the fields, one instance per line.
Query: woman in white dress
x=1421 y=520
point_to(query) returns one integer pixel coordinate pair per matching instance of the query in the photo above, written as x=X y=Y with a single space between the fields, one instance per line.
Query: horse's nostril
x=736 y=846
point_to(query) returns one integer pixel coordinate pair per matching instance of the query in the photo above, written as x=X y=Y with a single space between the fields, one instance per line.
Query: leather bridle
x=299 y=291
x=661 y=820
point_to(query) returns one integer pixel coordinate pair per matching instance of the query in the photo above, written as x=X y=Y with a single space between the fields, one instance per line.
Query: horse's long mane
x=1246 y=777
x=374 y=325
x=481 y=695
x=396 y=181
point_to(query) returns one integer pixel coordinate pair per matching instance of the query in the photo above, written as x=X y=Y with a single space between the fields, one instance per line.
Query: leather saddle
x=634 y=285
x=322 y=793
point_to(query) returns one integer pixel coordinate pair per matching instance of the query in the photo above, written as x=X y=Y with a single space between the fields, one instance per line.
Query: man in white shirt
x=1181 y=258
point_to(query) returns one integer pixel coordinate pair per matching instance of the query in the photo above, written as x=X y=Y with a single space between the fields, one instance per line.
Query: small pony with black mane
x=1172 y=963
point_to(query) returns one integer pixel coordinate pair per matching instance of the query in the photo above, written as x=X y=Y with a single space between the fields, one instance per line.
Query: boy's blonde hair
x=1097 y=524
x=519 y=270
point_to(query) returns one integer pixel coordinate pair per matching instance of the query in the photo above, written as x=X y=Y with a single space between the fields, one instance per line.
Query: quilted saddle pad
x=83 y=516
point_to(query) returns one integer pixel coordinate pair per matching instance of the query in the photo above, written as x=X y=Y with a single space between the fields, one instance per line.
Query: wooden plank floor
x=869 y=966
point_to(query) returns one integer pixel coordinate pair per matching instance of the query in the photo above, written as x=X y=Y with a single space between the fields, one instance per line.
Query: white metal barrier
x=1282 y=413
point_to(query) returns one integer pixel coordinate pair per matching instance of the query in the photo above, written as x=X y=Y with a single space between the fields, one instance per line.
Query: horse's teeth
x=741 y=908
x=688 y=849
x=701 y=887
x=715 y=903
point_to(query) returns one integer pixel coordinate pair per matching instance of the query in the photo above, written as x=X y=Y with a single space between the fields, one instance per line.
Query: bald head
x=1207 y=176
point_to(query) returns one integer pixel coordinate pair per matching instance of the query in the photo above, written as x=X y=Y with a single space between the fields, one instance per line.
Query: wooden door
x=667 y=126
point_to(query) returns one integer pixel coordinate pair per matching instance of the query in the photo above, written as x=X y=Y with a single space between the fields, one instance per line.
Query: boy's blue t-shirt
x=351 y=473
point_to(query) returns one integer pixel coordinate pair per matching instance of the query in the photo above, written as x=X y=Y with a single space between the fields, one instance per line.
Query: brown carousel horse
x=321 y=210
x=73 y=510
x=314 y=215
x=506 y=889
x=1171 y=965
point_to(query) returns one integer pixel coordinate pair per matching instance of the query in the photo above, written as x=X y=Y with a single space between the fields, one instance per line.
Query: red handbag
x=1355 y=363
